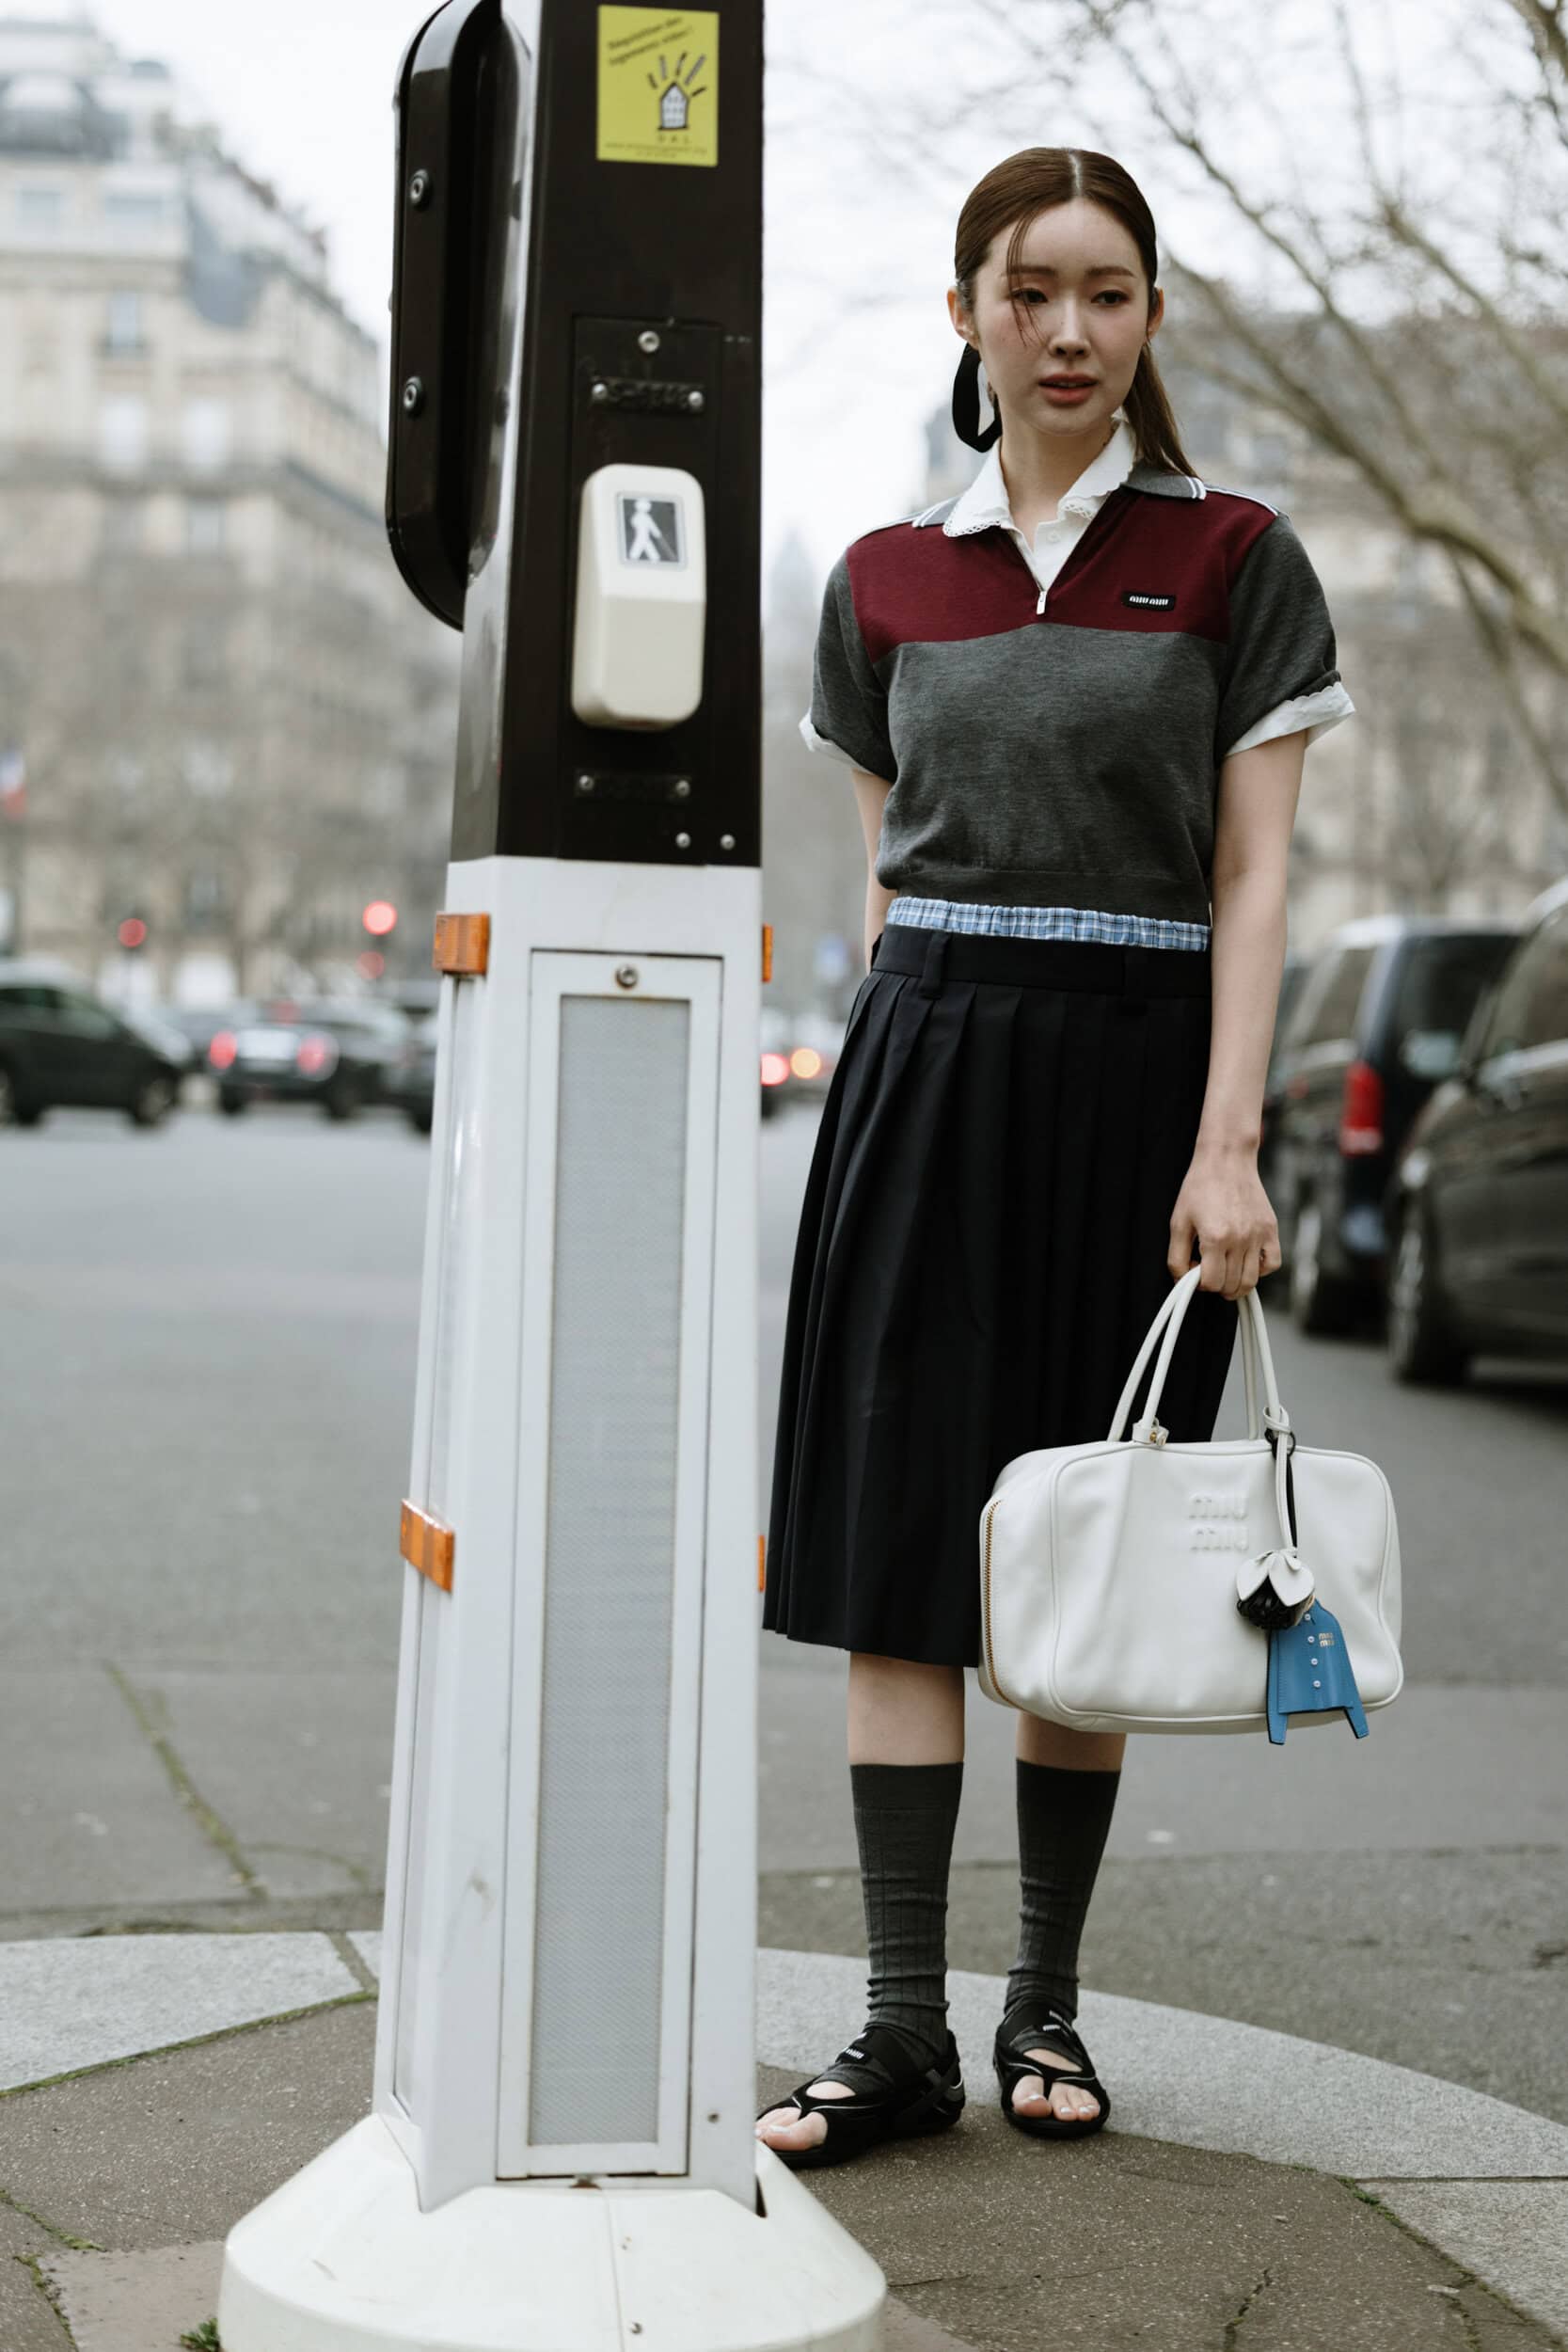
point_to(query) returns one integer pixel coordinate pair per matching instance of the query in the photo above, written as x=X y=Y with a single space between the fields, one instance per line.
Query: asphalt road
x=205 y=1404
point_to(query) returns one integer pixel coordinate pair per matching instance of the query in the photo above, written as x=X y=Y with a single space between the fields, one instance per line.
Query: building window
x=206 y=907
x=206 y=525
x=125 y=520
x=204 y=431
x=208 y=770
x=125 y=323
x=122 y=432
x=202 y=662
x=132 y=214
x=40 y=211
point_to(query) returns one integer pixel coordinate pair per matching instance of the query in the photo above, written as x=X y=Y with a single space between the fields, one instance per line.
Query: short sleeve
x=1281 y=665
x=847 y=717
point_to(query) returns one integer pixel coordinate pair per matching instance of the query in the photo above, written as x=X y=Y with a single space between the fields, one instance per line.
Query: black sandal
x=1040 y=2024
x=913 y=2096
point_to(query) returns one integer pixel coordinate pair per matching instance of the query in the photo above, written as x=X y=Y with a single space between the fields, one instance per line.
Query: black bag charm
x=1275 y=1589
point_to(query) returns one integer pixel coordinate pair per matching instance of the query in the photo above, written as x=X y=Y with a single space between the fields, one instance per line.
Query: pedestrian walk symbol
x=651 y=529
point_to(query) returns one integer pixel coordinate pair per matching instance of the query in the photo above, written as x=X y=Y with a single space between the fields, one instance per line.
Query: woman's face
x=1079 y=307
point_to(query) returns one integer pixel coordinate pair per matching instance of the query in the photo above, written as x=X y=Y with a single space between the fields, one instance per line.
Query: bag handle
x=1275 y=1421
x=1256 y=1355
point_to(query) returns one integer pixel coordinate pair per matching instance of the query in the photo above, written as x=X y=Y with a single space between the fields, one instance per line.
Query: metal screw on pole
x=418 y=190
x=413 y=397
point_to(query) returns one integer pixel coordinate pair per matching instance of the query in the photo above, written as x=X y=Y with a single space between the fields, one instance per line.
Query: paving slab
x=90 y=1816
x=295 y=1763
x=135 y=2302
x=172 y=2148
x=29 y=2320
x=69 y=2005
x=1512 y=2233
x=1205 y=2081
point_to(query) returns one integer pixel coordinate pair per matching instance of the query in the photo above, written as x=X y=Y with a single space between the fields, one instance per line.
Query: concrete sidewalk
x=1252 y=2191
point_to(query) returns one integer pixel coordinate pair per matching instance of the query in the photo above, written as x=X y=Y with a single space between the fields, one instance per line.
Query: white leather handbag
x=1113 y=1572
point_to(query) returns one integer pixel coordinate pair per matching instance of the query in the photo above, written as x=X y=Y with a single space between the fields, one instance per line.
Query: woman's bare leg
x=900 y=1713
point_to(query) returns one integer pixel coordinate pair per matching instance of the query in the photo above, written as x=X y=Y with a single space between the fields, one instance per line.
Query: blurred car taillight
x=1361 y=1110
x=315 y=1054
x=221 y=1052
x=805 y=1062
x=775 y=1069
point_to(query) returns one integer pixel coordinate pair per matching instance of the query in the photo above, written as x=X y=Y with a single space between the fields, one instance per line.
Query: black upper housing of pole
x=637 y=340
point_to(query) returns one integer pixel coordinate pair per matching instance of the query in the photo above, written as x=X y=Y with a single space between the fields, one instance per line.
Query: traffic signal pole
x=560 y=2155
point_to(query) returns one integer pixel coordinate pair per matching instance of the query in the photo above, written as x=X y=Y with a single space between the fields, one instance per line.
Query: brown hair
x=1025 y=185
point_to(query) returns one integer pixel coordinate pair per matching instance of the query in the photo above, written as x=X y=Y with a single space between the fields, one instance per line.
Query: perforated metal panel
x=608 y=1638
x=609 y=1569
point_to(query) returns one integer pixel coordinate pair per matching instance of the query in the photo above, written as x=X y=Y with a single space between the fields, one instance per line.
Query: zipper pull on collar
x=1039 y=606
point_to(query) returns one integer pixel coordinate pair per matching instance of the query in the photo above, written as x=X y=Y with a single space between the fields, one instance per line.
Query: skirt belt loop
x=932 y=969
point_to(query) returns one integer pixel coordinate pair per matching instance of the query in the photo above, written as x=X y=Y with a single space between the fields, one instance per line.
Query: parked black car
x=199 y=1024
x=1375 y=1025
x=337 y=1055
x=1292 y=973
x=1478 y=1203
x=60 y=1044
x=411 y=1085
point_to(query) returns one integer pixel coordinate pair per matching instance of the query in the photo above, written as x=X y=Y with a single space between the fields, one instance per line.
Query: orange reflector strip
x=762 y=1563
x=427 y=1545
x=767 y=951
x=462 y=944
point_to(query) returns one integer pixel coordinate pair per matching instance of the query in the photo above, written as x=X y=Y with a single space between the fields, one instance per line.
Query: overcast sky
x=858 y=346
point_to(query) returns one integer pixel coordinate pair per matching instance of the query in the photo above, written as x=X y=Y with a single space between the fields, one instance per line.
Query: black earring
x=966 y=403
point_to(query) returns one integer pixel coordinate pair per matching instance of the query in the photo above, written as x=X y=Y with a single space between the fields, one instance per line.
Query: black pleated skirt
x=982 y=1246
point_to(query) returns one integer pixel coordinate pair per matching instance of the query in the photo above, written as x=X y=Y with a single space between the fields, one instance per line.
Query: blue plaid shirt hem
x=1116 y=930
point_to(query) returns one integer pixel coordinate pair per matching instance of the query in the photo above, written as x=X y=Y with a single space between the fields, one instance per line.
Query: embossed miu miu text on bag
x=1218 y=1522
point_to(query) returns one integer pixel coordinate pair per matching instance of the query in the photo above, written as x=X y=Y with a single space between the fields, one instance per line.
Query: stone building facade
x=229 y=719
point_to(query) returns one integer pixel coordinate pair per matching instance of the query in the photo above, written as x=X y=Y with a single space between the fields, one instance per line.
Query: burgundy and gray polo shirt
x=1063 y=748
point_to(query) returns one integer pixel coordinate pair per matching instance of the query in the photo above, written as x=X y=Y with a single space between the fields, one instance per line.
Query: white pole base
x=340 y=2259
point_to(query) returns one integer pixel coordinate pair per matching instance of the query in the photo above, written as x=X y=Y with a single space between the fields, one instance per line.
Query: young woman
x=1075 y=701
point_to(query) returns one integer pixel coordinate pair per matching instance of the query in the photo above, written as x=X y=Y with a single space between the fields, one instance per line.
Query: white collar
x=986 y=499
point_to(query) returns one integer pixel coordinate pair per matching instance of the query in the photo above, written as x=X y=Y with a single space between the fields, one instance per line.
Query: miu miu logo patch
x=1147 y=596
x=1220 y=1522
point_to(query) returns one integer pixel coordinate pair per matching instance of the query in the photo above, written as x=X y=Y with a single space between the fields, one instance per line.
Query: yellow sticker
x=658 y=85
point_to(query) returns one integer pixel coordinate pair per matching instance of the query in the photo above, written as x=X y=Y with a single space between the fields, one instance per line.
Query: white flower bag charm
x=1140 y=1584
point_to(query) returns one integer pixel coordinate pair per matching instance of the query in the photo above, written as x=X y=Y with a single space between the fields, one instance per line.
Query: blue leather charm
x=1309 y=1671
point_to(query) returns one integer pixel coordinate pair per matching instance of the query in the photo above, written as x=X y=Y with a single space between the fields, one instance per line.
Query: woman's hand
x=1223 y=1207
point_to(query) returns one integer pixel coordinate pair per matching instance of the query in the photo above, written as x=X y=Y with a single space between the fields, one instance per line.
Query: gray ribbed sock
x=905 y=1816
x=1064 y=1818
